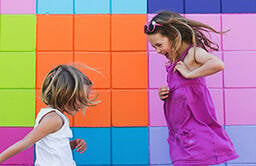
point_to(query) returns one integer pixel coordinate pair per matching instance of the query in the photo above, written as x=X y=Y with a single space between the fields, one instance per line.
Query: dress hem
x=210 y=161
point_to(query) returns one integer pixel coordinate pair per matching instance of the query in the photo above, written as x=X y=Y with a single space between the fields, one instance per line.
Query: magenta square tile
x=240 y=69
x=18 y=6
x=9 y=136
x=242 y=27
x=213 y=20
x=217 y=97
x=240 y=106
x=157 y=70
x=156 y=111
x=215 y=80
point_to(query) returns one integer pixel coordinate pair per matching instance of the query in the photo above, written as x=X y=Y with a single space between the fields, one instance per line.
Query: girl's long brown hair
x=180 y=29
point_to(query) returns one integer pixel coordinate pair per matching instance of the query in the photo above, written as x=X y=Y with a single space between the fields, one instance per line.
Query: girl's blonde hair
x=178 y=29
x=65 y=88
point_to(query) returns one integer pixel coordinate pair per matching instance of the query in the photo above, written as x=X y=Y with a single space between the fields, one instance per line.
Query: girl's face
x=161 y=44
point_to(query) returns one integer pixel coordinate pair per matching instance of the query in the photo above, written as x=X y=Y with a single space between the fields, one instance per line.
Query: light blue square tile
x=92 y=6
x=129 y=6
x=55 y=7
x=243 y=138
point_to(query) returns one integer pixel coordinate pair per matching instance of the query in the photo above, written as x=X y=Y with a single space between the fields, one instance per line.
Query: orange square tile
x=127 y=32
x=92 y=32
x=48 y=60
x=98 y=116
x=99 y=61
x=55 y=32
x=40 y=104
x=130 y=108
x=129 y=70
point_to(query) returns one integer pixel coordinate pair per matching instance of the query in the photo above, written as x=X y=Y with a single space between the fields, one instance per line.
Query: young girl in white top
x=65 y=89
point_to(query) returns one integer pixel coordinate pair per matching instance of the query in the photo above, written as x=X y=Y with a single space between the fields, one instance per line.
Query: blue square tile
x=98 y=146
x=202 y=6
x=243 y=138
x=155 y=6
x=92 y=6
x=159 y=148
x=130 y=145
x=239 y=6
x=129 y=7
x=55 y=7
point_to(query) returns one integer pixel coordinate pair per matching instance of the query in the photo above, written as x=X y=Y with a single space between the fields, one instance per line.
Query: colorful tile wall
x=128 y=126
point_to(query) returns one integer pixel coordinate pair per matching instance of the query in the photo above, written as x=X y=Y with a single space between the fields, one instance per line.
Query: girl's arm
x=210 y=64
x=50 y=123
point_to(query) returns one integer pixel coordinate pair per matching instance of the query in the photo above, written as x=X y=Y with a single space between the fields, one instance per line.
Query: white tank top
x=54 y=149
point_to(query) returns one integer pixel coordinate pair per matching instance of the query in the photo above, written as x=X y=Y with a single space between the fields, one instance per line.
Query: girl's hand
x=163 y=92
x=183 y=69
x=79 y=145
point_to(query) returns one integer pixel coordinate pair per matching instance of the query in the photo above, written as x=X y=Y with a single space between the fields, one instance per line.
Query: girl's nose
x=158 y=50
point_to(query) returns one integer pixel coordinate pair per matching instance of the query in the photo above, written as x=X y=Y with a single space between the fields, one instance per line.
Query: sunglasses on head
x=151 y=27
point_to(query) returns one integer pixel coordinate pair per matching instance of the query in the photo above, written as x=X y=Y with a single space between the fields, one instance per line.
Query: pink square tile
x=156 y=111
x=215 y=80
x=242 y=27
x=157 y=70
x=213 y=20
x=10 y=136
x=150 y=16
x=240 y=69
x=240 y=106
x=217 y=97
x=18 y=6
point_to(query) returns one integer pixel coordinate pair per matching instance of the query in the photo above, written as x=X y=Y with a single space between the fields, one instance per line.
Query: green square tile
x=17 y=69
x=17 y=107
x=18 y=33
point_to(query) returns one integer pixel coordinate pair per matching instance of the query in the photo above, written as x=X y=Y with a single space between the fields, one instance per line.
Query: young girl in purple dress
x=195 y=136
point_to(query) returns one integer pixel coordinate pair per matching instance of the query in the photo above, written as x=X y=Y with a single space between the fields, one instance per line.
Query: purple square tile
x=157 y=70
x=159 y=148
x=156 y=110
x=213 y=20
x=18 y=6
x=239 y=37
x=240 y=69
x=217 y=97
x=9 y=136
x=215 y=80
x=240 y=106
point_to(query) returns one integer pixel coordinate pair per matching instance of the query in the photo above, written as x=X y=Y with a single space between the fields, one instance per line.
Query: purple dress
x=195 y=136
